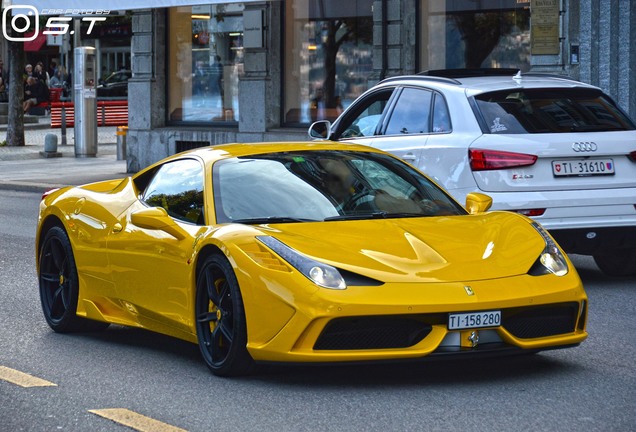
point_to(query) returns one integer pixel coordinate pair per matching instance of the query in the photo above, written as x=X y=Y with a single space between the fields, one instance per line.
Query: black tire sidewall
x=69 y=318
x=238 y=360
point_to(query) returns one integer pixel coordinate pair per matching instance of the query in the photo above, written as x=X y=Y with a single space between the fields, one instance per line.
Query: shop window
x=328 y=57
x=469 y=34
x=205 y=60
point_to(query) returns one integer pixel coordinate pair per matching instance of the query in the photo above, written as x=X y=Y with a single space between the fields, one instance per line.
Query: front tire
x=220 y=316
x=619 y=262
x=59 y=285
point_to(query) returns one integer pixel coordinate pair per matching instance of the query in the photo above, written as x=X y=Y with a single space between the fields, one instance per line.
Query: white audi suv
x=554 y=149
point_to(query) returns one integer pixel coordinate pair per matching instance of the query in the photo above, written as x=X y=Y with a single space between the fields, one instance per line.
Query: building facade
x=264 y=70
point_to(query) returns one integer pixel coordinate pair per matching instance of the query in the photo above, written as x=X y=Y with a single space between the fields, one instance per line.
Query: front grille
x=377 y=332
x=541 y=321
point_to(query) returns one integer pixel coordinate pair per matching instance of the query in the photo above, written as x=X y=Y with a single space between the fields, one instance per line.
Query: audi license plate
x=582 y=167
x=461 y=321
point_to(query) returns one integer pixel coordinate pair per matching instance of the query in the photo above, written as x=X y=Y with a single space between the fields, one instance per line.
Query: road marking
x=22 y=379
x=135 y=421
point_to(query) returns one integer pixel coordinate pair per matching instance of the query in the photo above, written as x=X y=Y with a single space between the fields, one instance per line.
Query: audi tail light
x=484 y=160
x=531 y=212
x=632 y=156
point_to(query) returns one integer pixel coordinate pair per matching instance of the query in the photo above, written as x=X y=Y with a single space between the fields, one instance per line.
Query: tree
x=337 y=32
x=481 y=33
x=15 y=126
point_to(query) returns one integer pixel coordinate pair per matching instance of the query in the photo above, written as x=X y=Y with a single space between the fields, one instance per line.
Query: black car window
x=411 y=114
x=363 y=120
x=551 y=110
x=178 y=187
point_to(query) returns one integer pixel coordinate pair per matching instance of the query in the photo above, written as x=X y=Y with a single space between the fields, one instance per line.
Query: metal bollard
x=121 y=142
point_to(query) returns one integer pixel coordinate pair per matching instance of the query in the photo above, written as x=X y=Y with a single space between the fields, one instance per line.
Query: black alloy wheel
x=59 y=285
x=221 y=328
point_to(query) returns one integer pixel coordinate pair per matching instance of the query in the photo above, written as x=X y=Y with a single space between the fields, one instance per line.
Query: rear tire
x=619 y=262
x=59 y=285
x=220 y=317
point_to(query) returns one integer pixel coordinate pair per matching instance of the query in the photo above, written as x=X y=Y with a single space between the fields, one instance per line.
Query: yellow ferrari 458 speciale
x=303 y=252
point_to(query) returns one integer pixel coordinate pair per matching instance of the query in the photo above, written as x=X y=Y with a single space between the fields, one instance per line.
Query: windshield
x=519 y=111
x=323 y=185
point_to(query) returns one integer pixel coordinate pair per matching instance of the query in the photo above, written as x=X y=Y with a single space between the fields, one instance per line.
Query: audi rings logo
x=580 y=147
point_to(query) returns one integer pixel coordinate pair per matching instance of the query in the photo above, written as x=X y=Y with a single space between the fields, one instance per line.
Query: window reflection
x=206 y=60
x=474 y=34
x=328 y=49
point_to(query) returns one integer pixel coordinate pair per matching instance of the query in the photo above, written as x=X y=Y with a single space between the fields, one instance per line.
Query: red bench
x=109 y=113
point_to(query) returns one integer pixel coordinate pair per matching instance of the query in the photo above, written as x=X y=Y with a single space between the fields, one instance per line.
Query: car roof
x=225 y=151
x=474 y=85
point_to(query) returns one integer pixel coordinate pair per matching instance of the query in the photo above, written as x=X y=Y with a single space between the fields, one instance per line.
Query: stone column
x=259 y=87
x=146 y=88
x=607 y=37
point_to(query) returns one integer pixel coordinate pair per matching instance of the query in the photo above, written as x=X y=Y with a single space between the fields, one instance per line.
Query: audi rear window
x=522 y=111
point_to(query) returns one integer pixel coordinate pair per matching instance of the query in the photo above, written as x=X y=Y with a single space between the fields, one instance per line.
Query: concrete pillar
x=260 y=86
x=146 y=88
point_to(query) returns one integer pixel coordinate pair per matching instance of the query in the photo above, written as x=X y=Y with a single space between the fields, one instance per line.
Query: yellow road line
x=22 y=379
x=135 y=421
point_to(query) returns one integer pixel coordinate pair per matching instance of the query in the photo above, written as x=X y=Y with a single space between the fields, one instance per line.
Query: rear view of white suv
x=557 y=150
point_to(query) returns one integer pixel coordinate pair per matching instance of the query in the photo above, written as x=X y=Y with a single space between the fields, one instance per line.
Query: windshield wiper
x=270 y=219
x=374 y=215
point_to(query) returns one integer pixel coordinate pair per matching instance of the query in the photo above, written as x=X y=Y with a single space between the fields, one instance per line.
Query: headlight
x=319 y=273
x=551 y=259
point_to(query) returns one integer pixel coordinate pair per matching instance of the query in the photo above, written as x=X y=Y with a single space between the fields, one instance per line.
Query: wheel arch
x=49 y=222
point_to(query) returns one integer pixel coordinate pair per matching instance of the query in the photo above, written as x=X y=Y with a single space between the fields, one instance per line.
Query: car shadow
x=422 y=372
x=149 y=342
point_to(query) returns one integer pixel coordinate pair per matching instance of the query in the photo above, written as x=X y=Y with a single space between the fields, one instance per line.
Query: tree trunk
x=15 y=127
x=330 y=47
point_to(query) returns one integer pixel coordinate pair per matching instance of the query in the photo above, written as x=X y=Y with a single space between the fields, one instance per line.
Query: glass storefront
x=328 y=57
x=205 y=49
x=472 y=34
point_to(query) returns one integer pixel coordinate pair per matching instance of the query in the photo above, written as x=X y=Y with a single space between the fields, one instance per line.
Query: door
x=152 y=267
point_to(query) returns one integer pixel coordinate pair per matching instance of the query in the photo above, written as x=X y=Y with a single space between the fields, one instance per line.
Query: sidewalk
x=24 y=169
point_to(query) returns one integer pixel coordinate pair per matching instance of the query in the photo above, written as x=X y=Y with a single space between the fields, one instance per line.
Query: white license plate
x=470 y=320
x=582 y=167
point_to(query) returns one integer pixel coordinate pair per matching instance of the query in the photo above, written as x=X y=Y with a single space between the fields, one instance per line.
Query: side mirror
x=320 y=130
x=477 y=202
x=156 y=218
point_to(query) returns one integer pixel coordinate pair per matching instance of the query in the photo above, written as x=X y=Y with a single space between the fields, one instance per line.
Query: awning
x=35 y=44
x=75 y=7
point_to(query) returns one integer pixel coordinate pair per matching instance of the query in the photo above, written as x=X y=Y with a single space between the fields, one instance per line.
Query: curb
x=29 y=187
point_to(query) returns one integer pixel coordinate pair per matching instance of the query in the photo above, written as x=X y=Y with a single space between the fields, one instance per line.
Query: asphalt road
x=589 y=388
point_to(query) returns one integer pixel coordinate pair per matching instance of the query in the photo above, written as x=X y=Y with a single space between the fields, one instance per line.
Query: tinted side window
x=178 y=187
x=363 y=120
x=412 y=113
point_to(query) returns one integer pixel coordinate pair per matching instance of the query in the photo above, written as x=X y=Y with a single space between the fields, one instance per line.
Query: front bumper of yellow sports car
x=289 y=319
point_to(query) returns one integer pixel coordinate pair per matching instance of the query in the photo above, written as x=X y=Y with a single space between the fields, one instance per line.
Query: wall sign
x=253 y=28
x=544 y=26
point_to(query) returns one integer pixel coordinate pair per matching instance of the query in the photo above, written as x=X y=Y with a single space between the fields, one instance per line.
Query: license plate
x=470 y=320
x=582 y=167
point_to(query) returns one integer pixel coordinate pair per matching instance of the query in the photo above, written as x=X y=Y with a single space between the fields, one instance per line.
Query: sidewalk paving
x=24 y=169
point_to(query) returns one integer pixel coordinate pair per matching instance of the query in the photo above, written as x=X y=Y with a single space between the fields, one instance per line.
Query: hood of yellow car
x=427 y=249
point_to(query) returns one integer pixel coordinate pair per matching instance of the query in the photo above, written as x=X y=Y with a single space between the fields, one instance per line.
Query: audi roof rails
x=422 y=78
x=469 y=73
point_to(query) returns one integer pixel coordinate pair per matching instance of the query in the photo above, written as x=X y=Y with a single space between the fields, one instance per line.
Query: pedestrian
x=35 y=92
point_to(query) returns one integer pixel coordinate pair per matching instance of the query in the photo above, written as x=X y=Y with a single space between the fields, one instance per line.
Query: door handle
x=409 y=157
